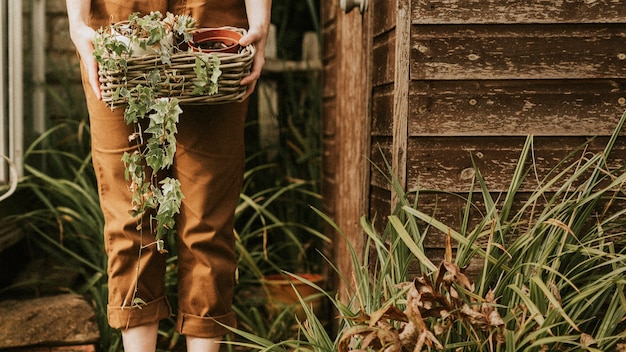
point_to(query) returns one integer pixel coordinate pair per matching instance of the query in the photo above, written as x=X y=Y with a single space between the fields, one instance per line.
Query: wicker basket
x=177 y=77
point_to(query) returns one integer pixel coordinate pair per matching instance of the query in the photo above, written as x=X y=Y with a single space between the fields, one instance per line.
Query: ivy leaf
x=170 y=199
x=153 y=78
x=138 y=303
x=160 y=245
x=140 y=99
x=161 y=146
x=183 y=26
x=207 y=73
x=156 y=145
x=155 y=156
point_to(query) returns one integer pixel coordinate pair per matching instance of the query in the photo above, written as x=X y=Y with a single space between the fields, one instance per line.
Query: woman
x=209 y=163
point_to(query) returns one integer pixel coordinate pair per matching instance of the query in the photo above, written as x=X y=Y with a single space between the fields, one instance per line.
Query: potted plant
x=273 y=258
x=285 y=290
x=211 y=40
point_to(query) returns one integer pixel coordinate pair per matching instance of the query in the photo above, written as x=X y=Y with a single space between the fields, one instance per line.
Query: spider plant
x=551 y=278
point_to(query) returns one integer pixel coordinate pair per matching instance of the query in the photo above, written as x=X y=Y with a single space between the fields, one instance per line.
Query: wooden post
x=352 y=141
x=401 y=95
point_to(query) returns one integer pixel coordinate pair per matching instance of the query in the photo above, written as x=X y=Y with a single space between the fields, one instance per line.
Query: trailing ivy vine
x=153 y=115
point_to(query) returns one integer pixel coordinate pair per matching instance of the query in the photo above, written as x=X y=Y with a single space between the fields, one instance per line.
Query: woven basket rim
x=180 y=74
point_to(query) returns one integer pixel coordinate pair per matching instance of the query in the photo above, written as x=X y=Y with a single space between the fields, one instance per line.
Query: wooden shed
x=431 y=83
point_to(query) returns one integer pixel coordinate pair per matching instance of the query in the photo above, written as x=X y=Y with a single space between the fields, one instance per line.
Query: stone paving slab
x=59 y=320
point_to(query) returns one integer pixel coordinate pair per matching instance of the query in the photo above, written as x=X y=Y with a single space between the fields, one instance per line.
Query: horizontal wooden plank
x=379 y=206
x=328 y=13
x=329 y=88
x=445 y=207
x=329 y=42
x=498 y=52
x=383 y=16
x=518 y=11
x=277 y=66
x=383 y=59
x=446 y=163
x=329 y=117
x=382 y=110
x=511 y=107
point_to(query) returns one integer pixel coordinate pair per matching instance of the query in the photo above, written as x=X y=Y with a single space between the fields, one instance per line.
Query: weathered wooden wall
x=452 y=79
x=482 y=77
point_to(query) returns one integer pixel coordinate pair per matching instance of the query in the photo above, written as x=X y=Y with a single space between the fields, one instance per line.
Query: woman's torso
x=208 y=13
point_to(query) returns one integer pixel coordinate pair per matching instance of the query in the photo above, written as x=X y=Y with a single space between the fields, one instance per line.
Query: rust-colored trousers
x=209 y=163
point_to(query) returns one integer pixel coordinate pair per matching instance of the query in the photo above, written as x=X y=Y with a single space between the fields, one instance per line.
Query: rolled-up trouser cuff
x=206 y=327
x=129 y=317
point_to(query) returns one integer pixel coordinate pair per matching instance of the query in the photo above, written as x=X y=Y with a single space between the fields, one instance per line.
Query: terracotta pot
x=281 y=290
x=215 y=40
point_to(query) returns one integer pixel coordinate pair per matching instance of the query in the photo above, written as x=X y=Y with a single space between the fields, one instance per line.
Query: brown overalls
x=209 y=163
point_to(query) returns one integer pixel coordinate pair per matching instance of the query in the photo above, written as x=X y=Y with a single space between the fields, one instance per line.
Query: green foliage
x=60 y=194
x=67 y=222
x=156 y=144
x=115 y=44
x=207 y=73
x=292 y=19
x=63 y=215
x=290 y=161
x=551 y=272
x=169 y=198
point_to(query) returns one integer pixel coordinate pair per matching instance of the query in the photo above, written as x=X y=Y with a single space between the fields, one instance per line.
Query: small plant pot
x=281 y=291
x=215 y=40
x=122 y=32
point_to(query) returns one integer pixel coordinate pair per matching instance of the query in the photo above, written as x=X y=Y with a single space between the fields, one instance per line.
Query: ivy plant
x=153 y=115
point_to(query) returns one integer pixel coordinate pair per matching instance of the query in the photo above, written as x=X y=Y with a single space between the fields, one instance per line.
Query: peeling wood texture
x=505 y=108
x=517 y=11
x=518 y=52
x=345 y=131
x=516 y=107
x=447 y=164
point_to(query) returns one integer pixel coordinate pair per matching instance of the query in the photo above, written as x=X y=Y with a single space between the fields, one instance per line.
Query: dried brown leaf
x=429 y=339
x=391 y=312
x=371 y=340
x=423 y=285
x=362 y=317
x=476 y=318
x=587 y=340
x=459 y=277
x=347 y=341
x=495 y=319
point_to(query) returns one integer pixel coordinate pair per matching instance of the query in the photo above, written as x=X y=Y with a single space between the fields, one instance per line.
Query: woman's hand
x=259 y=12
x=83 y=40
x=82 y=36
x=258 y=39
